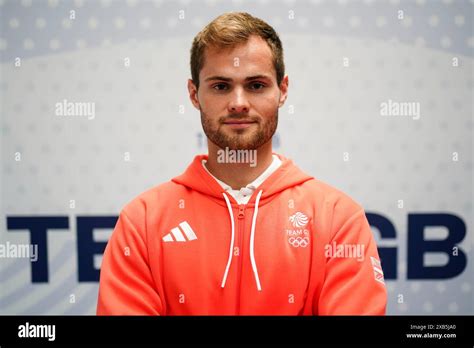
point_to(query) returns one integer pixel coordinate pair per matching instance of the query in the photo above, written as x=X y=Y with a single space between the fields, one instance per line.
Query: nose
x=238 y=102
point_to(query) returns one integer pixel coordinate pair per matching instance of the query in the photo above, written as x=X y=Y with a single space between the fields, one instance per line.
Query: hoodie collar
x=243 y=195
x=196 y=177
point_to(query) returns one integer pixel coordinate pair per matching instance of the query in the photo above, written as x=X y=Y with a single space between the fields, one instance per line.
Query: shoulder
x=153 y=199
x=330 y=201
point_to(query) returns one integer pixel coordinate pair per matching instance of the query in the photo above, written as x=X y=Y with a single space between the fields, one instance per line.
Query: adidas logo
x=184 y=234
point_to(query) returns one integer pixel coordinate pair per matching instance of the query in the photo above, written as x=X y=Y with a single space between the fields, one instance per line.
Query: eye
x=220 y=86
x=256 y=86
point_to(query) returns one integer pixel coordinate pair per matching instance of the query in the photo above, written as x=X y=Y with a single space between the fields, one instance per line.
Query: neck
x=221 y=164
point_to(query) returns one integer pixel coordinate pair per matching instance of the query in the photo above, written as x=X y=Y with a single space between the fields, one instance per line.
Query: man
x=243 y=231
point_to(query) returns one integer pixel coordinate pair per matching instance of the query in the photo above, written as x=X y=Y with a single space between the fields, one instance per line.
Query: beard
x=250 y=138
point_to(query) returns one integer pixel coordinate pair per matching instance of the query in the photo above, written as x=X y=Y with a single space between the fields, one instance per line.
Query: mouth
x=239 y=124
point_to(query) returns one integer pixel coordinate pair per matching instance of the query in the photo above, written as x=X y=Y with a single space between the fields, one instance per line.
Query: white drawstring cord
x=229 y=206
x=252 y=242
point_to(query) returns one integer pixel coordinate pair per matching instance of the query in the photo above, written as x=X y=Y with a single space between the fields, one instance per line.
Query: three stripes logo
x=182 y=233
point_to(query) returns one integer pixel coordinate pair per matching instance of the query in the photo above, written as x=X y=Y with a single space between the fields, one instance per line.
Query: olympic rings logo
x=299 y=242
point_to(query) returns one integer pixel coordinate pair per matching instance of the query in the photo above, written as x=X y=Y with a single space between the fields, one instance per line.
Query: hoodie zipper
x=240 y=229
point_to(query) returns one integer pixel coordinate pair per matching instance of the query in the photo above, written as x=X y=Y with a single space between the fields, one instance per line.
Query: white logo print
x=299 y=241
x=299 y=236
x=298 y=219
x=378 y=273
x=180 y=235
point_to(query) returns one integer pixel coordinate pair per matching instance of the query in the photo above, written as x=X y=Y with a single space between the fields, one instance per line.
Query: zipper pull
x=241 y=211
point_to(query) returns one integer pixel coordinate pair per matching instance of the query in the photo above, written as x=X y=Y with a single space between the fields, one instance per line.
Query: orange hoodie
x=299 y=247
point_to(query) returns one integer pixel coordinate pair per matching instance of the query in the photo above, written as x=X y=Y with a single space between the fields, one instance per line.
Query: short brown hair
x=229 y=30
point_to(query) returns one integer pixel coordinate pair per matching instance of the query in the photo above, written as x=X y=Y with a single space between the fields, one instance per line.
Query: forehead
x=253 y=57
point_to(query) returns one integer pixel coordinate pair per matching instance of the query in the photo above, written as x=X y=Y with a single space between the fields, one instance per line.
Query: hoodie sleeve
x=126 y=283
x=353 y=283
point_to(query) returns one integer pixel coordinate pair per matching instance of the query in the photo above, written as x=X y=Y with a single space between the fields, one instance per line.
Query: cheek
x=265 y=104
x=211 y=104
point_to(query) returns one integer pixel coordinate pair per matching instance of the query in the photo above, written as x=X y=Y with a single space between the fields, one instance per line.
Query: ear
x=193 y=94
x=283 y=91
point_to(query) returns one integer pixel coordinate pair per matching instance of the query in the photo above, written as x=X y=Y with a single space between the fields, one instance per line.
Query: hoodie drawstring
x=252 y=241
x=231 y=240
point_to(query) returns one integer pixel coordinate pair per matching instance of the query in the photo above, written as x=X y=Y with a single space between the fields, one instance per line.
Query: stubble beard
x=240 y=139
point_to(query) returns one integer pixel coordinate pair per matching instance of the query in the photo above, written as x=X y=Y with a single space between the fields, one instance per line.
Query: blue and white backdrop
x=380 y=106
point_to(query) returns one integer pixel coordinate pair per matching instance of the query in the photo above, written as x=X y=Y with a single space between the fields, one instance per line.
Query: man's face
x=238 y=95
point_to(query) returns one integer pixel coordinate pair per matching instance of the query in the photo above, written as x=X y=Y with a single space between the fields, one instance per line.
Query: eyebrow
x=228 y=79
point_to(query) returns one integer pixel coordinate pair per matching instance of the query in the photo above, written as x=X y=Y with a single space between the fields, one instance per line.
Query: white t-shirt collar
x=243 y=195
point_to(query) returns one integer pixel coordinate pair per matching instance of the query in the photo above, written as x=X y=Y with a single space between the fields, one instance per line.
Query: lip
x=239 y=124
x=238 y=121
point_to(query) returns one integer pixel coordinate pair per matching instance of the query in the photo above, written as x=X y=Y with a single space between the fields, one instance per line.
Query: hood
x=287 y=175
